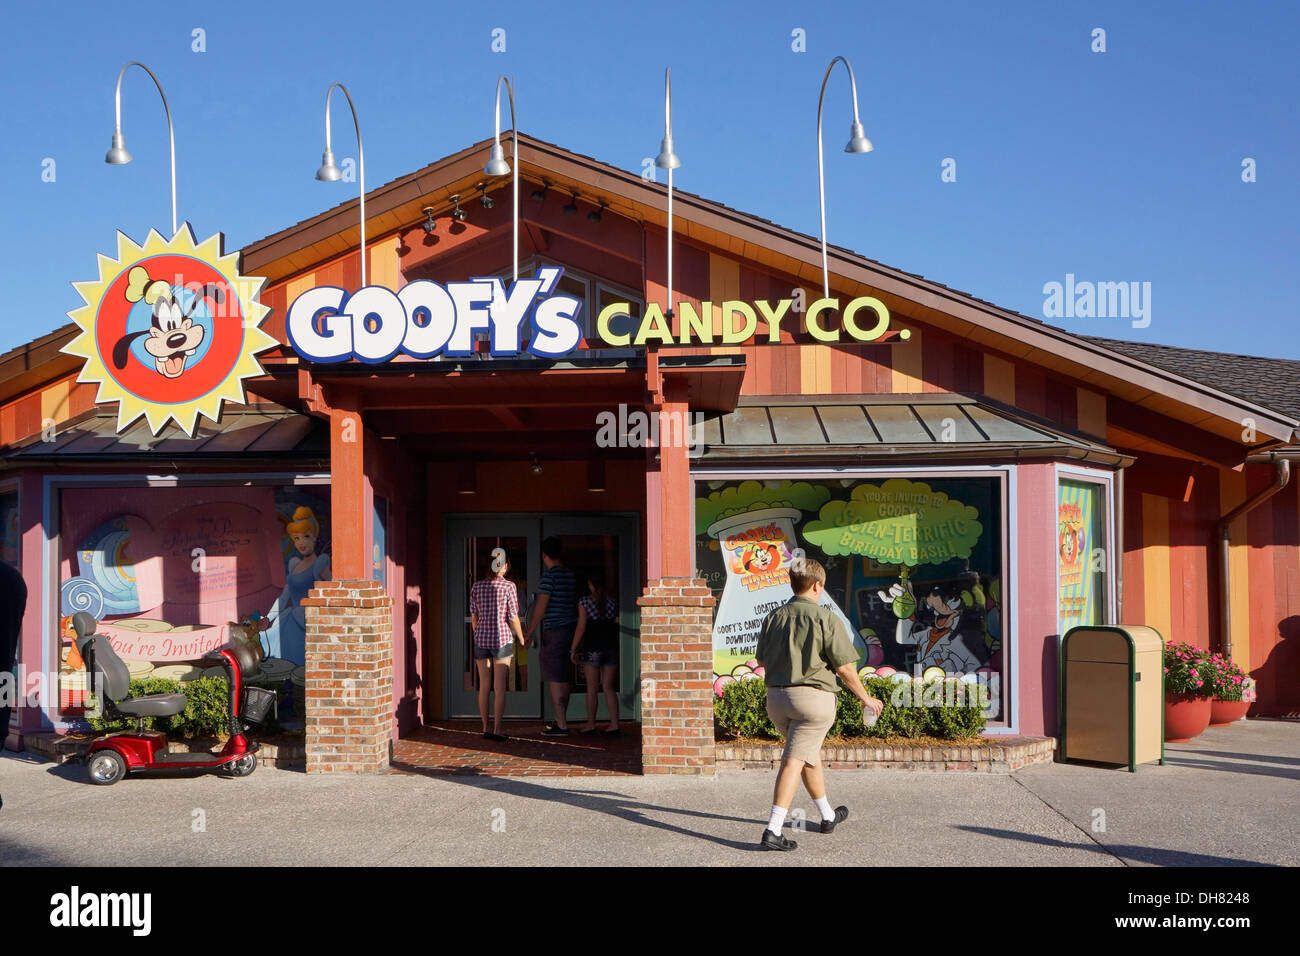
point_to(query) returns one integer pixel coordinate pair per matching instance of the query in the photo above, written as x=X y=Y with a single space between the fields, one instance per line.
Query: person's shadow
x=1276 y=686
x=600 y=801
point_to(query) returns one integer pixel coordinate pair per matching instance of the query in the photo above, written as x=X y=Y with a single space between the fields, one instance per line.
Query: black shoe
x=776 y=841
x=499 y=738
x=841 y=814
x=616 y=732
x=551 y=730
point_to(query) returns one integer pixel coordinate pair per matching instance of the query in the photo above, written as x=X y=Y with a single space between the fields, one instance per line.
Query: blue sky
x=1115 y=166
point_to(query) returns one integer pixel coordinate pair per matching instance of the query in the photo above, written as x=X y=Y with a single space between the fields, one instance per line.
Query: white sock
x=824 y=806
x=777 y=819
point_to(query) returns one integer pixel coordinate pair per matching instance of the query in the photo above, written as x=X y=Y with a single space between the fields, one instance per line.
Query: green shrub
x=205 y=713
x=742 y=710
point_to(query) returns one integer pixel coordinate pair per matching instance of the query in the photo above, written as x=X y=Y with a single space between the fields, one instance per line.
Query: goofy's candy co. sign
x=425 y=319
x=169 y=330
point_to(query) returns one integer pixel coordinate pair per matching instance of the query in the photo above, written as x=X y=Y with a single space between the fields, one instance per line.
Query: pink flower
x=1200 y=683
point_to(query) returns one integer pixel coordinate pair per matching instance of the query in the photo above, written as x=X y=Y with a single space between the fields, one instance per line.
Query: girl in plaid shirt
x=494 y=616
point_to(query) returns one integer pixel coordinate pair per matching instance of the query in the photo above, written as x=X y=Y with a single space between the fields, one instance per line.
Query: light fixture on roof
x=537 y=465
x=329 y=172
x=572 y=205
x=858 y=143
x=595 y=474
x=428 y=225
x=667 y=159
x=540 y=193
x=457 y=214
x=118 y=155
x=486 y=201
x=497 y=165
x=466 y=478
x=594 y=215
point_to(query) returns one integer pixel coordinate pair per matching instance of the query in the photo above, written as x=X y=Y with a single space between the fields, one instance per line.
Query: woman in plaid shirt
x=494 y=616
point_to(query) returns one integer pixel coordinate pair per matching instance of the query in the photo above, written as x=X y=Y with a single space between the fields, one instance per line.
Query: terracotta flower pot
x=1224 y=712
x=1186 y=716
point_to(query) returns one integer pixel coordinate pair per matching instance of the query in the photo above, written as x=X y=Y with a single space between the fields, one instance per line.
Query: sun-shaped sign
x=169 y=330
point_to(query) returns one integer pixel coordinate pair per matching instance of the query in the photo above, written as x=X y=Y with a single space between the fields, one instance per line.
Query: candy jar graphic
x=757 y=547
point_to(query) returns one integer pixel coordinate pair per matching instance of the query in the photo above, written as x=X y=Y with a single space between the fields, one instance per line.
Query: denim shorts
x=502 y=653
x=607 y=658
x=556 y=644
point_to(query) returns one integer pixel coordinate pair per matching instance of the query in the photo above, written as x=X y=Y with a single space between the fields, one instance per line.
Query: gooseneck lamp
x=329 y=172
x=497 y=165
x=858 y=143
x=118 y=154
x=667 y=159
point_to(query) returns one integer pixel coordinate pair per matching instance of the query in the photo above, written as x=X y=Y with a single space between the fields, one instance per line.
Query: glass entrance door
x=468 y=553
x=608 y=547
x=604 y=545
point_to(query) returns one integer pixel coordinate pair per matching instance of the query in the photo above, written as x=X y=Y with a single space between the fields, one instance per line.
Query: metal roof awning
x=887 y=428
x=263 y=430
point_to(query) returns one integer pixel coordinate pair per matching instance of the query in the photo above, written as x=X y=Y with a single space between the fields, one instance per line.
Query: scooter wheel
x=105 y=767
x=243 y=766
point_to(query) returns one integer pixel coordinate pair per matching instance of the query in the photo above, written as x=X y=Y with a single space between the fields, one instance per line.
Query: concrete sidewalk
x=1228 y=798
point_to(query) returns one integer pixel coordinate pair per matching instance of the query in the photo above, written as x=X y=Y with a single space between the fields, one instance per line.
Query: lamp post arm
x=668 y=135
x=171 y=133
x=821 y=170
x=514 y=160
x=361 y=163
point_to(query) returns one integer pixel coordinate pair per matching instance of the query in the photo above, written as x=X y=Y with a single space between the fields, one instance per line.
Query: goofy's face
x=942 y=607
x=173 y=336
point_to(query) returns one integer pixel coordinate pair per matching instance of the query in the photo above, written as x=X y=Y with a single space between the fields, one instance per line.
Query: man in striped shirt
x=556 y=613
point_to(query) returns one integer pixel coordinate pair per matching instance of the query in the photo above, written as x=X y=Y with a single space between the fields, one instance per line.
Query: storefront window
x=1081 y=553
x=914 y=569
x=167 y=570
x=10 y=534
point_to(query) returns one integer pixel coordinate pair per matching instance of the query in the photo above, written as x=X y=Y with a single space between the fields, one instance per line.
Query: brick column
x=349 y=687
x=677 y=676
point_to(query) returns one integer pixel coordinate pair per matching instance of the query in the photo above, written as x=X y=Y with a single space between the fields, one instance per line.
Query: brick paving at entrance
x=458 y=747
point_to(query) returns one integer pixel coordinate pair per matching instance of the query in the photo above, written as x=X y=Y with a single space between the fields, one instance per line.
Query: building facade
x=975 y=481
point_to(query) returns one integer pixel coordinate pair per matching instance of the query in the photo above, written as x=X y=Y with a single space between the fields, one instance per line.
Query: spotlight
x=457 y=214
x=540 y=194
x=428 y=225
x=537 y=465
x=594 y=215
x=486 y=201
x=572 y=205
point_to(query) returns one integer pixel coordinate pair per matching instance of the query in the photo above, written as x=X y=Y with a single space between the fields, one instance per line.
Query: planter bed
x=984 y=754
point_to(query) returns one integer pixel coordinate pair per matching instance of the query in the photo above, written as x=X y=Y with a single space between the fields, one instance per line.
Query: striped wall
x=1171 y=567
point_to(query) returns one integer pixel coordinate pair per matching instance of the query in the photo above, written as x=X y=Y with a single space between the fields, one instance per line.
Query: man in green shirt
x=803 y=647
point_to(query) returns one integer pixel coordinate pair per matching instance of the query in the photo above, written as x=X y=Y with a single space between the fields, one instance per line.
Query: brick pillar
x=349 y=706
x=677 y=676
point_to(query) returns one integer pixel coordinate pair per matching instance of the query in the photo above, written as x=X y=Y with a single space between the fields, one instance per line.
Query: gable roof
x=396 y=205
x=1272 y=382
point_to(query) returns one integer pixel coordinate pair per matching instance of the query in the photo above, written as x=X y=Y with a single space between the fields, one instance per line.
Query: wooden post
x=348 y=509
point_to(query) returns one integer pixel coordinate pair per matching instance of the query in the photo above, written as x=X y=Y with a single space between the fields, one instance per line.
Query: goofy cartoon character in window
x=938 y=634
x=173 y=335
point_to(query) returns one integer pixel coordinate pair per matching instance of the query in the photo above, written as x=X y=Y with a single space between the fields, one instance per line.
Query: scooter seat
x=154 y=705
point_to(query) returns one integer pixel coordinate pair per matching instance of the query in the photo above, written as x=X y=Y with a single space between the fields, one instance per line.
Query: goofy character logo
x=173 y=335
x=939 y=644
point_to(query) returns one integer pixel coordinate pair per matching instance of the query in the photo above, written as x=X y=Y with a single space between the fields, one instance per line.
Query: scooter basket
x=257 y=703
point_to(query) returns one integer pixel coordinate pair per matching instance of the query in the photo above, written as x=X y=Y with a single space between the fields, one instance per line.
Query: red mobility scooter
x=111 y=757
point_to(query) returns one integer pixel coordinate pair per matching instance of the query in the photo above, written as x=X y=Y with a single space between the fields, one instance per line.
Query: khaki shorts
x=802 y=716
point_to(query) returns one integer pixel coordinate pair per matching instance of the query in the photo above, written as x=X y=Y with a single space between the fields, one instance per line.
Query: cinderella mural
x=287 y=636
